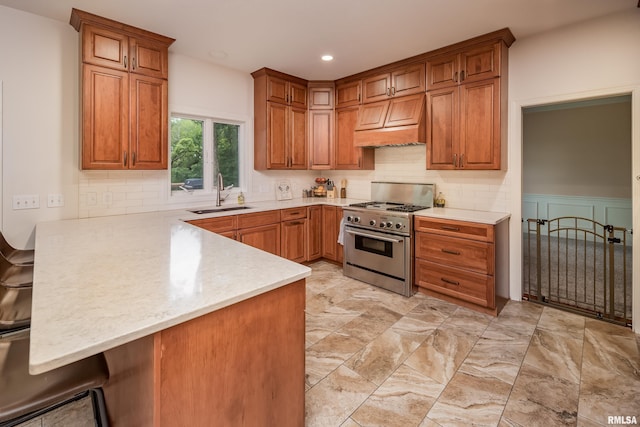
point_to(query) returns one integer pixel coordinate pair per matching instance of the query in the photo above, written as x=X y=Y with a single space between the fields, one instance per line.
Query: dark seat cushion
x=23 y=393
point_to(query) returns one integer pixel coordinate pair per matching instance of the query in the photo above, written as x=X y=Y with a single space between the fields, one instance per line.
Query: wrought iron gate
x=579 y=265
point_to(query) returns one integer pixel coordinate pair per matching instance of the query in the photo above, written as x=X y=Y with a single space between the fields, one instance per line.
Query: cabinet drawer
x=462 y=253
x=465 y=285
x=293 y=213
x=445 y=227
x=258 y=218
x=217 y=225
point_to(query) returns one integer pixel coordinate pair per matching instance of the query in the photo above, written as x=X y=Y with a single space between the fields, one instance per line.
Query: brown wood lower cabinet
x=293 y=234
x=331 y=249
x=314 y=233
x=242 y=365
x=456 y=261
x=299 y=234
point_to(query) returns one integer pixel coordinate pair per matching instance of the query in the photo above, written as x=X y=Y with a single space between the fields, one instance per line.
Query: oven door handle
x=371 y=236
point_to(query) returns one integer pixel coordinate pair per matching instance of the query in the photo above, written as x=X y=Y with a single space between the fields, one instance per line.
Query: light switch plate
x=26 y=201
x=55 y=200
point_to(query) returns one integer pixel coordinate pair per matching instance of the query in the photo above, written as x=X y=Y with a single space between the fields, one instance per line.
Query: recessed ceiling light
x=327 y=58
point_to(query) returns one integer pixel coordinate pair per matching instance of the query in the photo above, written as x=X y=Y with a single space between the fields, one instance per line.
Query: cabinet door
x=321 y=97
x=149 y=118
x=442 y=71
x=347 y=155
x=442 y=128
x=149 y=58
x=372 y=116
x=405 y=110
x=105 y=117
x=266 y=237
x=277 y=90
x=376 y=88
x=297 y=95
x=314 y=231
x=277 y=120
x=348 y=94
x=293 y=245
x=321 y=139
x=480 y=125
x=105 y=48
x=329 y=233
x=297 y=138
x=480 y=63
x=408 y=80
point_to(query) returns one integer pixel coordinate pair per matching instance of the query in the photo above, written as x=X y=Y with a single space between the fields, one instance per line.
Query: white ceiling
x=291 y=35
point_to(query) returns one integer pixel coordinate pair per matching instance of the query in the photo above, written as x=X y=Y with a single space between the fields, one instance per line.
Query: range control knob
x=382 y=225
x=389 y=224
x=349 y=218
x=356 y=219
x=398 y=225
x=372 y=222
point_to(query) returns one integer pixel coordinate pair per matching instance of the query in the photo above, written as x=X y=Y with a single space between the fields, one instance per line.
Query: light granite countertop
x=483 y=217
x=103 y=282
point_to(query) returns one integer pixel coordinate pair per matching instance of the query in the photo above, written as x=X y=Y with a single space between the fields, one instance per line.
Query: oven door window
x=374 y=246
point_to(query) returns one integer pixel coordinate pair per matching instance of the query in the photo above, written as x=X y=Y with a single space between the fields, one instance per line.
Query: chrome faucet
x=219 y=188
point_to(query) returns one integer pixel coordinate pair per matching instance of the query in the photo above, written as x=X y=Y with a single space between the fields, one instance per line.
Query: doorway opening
x=577 y=206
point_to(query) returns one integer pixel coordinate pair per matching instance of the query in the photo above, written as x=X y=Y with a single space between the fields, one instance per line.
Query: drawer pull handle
x=450 y=228
x=451 y=282
x=451 y=252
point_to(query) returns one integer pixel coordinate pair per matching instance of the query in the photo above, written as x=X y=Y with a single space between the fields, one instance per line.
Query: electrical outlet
x=55 y=200
x=26 y=201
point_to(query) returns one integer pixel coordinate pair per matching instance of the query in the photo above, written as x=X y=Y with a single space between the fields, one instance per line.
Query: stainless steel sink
x=220 y=209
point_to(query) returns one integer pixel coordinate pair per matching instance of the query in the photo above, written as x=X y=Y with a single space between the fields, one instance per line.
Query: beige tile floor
x=375 y=358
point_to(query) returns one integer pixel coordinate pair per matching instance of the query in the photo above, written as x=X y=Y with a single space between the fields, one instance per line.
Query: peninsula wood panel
x=242 y=365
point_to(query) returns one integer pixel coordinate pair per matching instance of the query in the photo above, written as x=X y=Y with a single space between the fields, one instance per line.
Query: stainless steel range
x=377 y=235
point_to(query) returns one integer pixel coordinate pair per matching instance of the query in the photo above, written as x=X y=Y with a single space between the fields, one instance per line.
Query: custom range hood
x=397 y=121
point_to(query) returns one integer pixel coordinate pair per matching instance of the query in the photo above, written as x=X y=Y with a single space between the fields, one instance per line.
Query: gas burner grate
x=407 y=208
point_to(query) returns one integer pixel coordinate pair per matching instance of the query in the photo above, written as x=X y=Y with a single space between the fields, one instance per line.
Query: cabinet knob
x=125 y=61
x=125 y=159
x=455 y=77
x=461 y=75
x=393 y=90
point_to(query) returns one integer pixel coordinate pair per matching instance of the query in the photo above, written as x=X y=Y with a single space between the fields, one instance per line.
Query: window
x=200 y=149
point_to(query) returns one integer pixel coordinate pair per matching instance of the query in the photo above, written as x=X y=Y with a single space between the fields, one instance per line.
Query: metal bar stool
x=26 y=396
x=16 y=283
x=15 y=256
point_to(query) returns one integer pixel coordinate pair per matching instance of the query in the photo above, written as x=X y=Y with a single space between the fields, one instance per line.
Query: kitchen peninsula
x=193 y=325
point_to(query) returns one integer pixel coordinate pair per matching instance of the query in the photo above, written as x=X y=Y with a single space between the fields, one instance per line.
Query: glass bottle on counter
x=241 y=198
x=439 y=202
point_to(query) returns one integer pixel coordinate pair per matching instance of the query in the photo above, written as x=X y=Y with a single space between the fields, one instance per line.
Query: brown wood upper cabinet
x=124 y=94
x=280 y=121
x=471 y=65
x=402 y=81
x=321 y=122
x=467 y=104
x=347 y=155
x=348 y=94
x=288 y=92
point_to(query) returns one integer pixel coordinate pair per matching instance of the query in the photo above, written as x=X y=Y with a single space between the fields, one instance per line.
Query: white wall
x=588 y=60
x=40 y=90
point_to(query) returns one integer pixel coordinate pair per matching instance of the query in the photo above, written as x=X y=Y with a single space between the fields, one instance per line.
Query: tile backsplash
x=104 y=193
